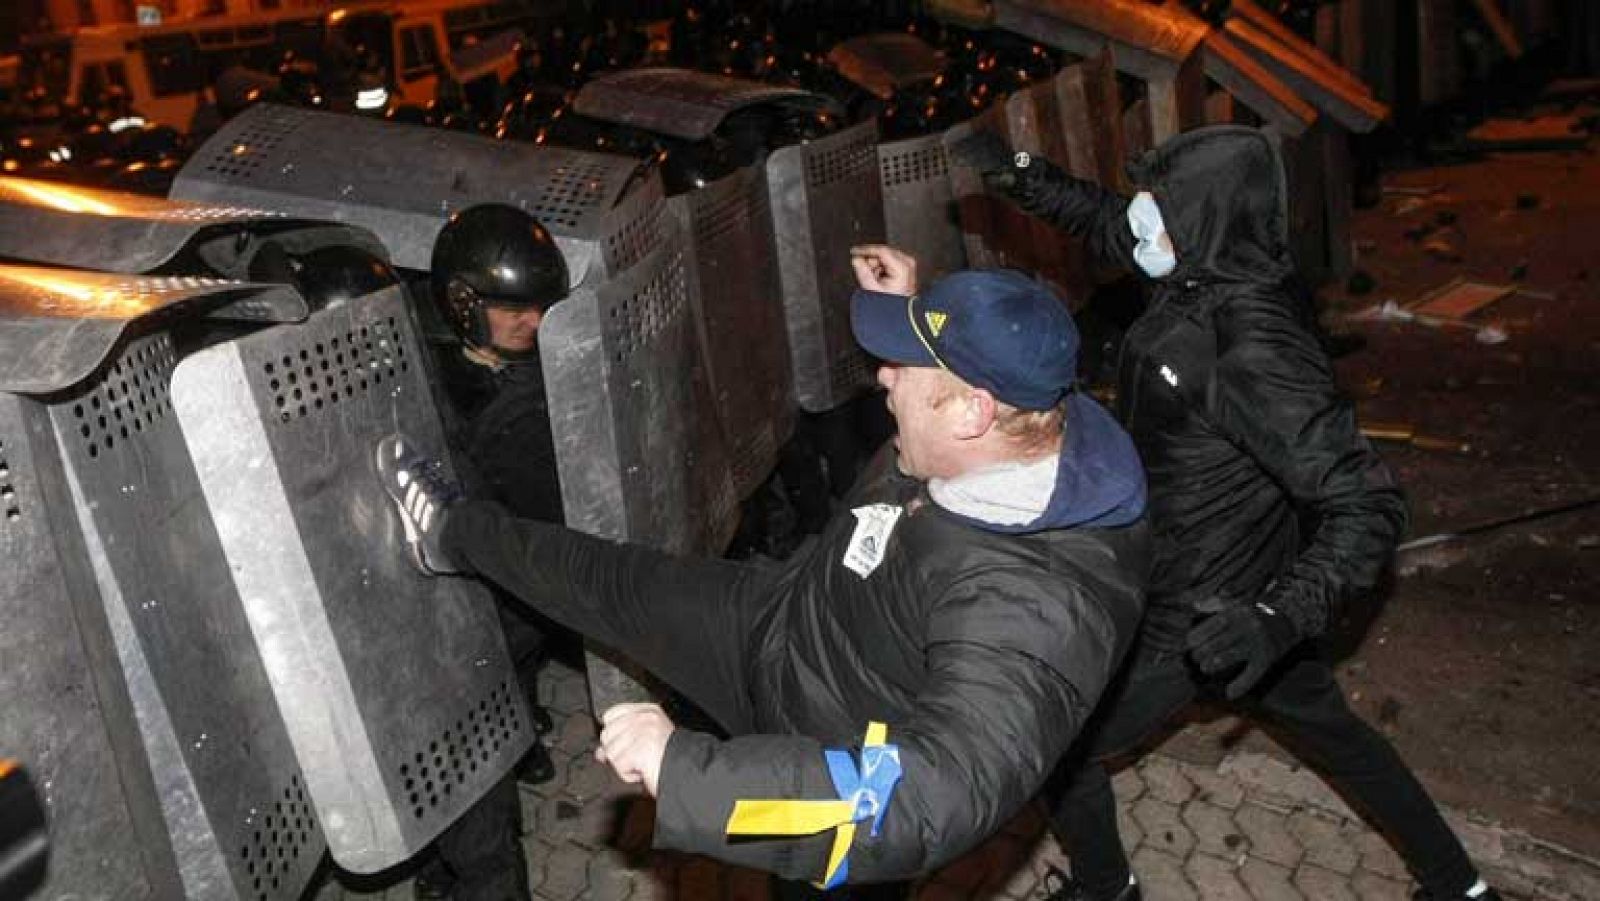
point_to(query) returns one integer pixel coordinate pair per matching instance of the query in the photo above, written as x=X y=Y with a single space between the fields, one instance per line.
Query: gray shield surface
x=68 y=225
x=68 y=716
x=826 y=197
x=401 y=182
x=919 y=204
x=57 y=325
x=638 y=444
x=233 y=799
x=681 y=103
x=396 y=689
x=738 y=311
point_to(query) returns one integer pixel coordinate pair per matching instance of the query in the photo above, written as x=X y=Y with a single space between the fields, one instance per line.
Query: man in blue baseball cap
x=925 y=660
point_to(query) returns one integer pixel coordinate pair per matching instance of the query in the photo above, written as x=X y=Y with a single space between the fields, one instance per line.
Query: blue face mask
x=1153 y=255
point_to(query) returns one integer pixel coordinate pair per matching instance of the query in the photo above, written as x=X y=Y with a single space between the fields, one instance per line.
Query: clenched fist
x=633 y=741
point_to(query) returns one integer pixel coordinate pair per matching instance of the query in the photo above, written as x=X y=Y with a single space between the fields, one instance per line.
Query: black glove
x=1234 y=634
x=996 y=164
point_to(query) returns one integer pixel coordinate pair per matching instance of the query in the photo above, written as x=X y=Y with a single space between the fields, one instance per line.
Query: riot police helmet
x=497 y=256
x=326 y=276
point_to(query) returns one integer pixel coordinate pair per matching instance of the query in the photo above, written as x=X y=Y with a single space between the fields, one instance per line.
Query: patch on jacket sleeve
x=874 y=524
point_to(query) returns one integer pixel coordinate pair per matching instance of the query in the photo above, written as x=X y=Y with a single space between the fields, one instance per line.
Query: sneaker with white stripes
x=422 y=495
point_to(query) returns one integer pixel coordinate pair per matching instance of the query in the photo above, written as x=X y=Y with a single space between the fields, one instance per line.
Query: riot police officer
x=495 y=272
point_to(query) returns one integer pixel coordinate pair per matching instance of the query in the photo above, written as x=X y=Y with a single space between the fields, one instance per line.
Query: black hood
x=1223 y=198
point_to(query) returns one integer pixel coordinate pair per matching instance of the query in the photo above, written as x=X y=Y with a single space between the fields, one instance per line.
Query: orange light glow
x=62 y=197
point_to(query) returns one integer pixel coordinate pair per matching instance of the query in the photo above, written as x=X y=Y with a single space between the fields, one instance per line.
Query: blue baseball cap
x=995 y=329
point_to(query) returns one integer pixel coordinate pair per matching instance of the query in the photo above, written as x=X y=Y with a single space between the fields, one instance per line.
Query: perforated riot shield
x=682 y=103
x=738 y=311
x=397 y=693
x=68 y=716
x=827 y=196
x=401 y=182
x=638 y=444
x=68 y=225
x=231 y=796
x=919 y=204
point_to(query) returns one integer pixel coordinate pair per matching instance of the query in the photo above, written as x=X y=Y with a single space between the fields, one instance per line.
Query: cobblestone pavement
x=1250 y=828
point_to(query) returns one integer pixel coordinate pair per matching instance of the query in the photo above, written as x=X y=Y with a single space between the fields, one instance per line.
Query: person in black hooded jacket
x=1270 y=510
x=976 y=601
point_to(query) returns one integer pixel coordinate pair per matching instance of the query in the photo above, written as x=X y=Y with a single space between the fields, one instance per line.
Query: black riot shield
x=683 y=103
x=396 y=690
x=67 y=710
x=638 y=444
x=230 y=795
x=919 y=204
x=402 y=182
x=827 y=196
x=68 y=225
x=738 y=311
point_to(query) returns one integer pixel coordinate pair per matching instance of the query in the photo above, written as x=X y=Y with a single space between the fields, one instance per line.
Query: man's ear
x=978 y=412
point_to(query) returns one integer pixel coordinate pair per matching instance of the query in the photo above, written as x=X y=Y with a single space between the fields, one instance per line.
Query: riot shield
x=68 y=225
x=682 y=103
x=638 y=444
x=738 y=313
x=919 y=204
x=827 y=196
x=401 y=182
x=231 y=795
x=396 y=690
x=68 y=714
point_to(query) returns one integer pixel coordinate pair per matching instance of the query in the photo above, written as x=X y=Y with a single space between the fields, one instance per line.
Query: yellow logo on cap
x=936 y=322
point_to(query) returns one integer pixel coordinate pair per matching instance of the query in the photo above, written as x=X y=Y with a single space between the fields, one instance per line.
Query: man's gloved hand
x=1233 y=634
x=985 y=152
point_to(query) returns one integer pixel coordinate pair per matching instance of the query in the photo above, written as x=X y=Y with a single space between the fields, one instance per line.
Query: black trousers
x=1303 y=703
x=482 y=850
x=689 y=621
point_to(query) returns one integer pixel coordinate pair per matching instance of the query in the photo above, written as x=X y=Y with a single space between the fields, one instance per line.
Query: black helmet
x=494 y=255
x=325 y=277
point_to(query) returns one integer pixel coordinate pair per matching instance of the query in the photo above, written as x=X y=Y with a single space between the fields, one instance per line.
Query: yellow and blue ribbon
x=864 y=794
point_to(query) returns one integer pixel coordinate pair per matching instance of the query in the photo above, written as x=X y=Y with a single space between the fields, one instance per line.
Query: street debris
x=1559 y=132
x=1406 y=433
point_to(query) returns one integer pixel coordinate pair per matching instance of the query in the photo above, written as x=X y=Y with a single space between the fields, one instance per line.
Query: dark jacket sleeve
x=990 y=723
x=1274 y=394
x=1079 y=207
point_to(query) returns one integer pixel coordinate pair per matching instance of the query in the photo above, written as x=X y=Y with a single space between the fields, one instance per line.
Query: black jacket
x=1261 y=484
x=983 y=652
x=498 y=422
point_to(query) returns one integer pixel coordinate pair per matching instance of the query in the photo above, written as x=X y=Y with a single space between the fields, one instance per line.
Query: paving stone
x=658 y=882
x=1164 y=780
x=610 y=876
x=1214 y=830
x=568 y=692
x=1321 y=884
x=588 y=778
x=1292 y=786
x=1162 y=829
x=1128 y=784
x=555 y=819
x=1215 y=879
x=1369 y=886
x=1132 y=833
x=1268 y=882
x=1378 y=856
x=1162 y=876
x=1223 y=791
x=1268 y=833
x=573 y=736
x=565 y=873
x=1324 y=841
